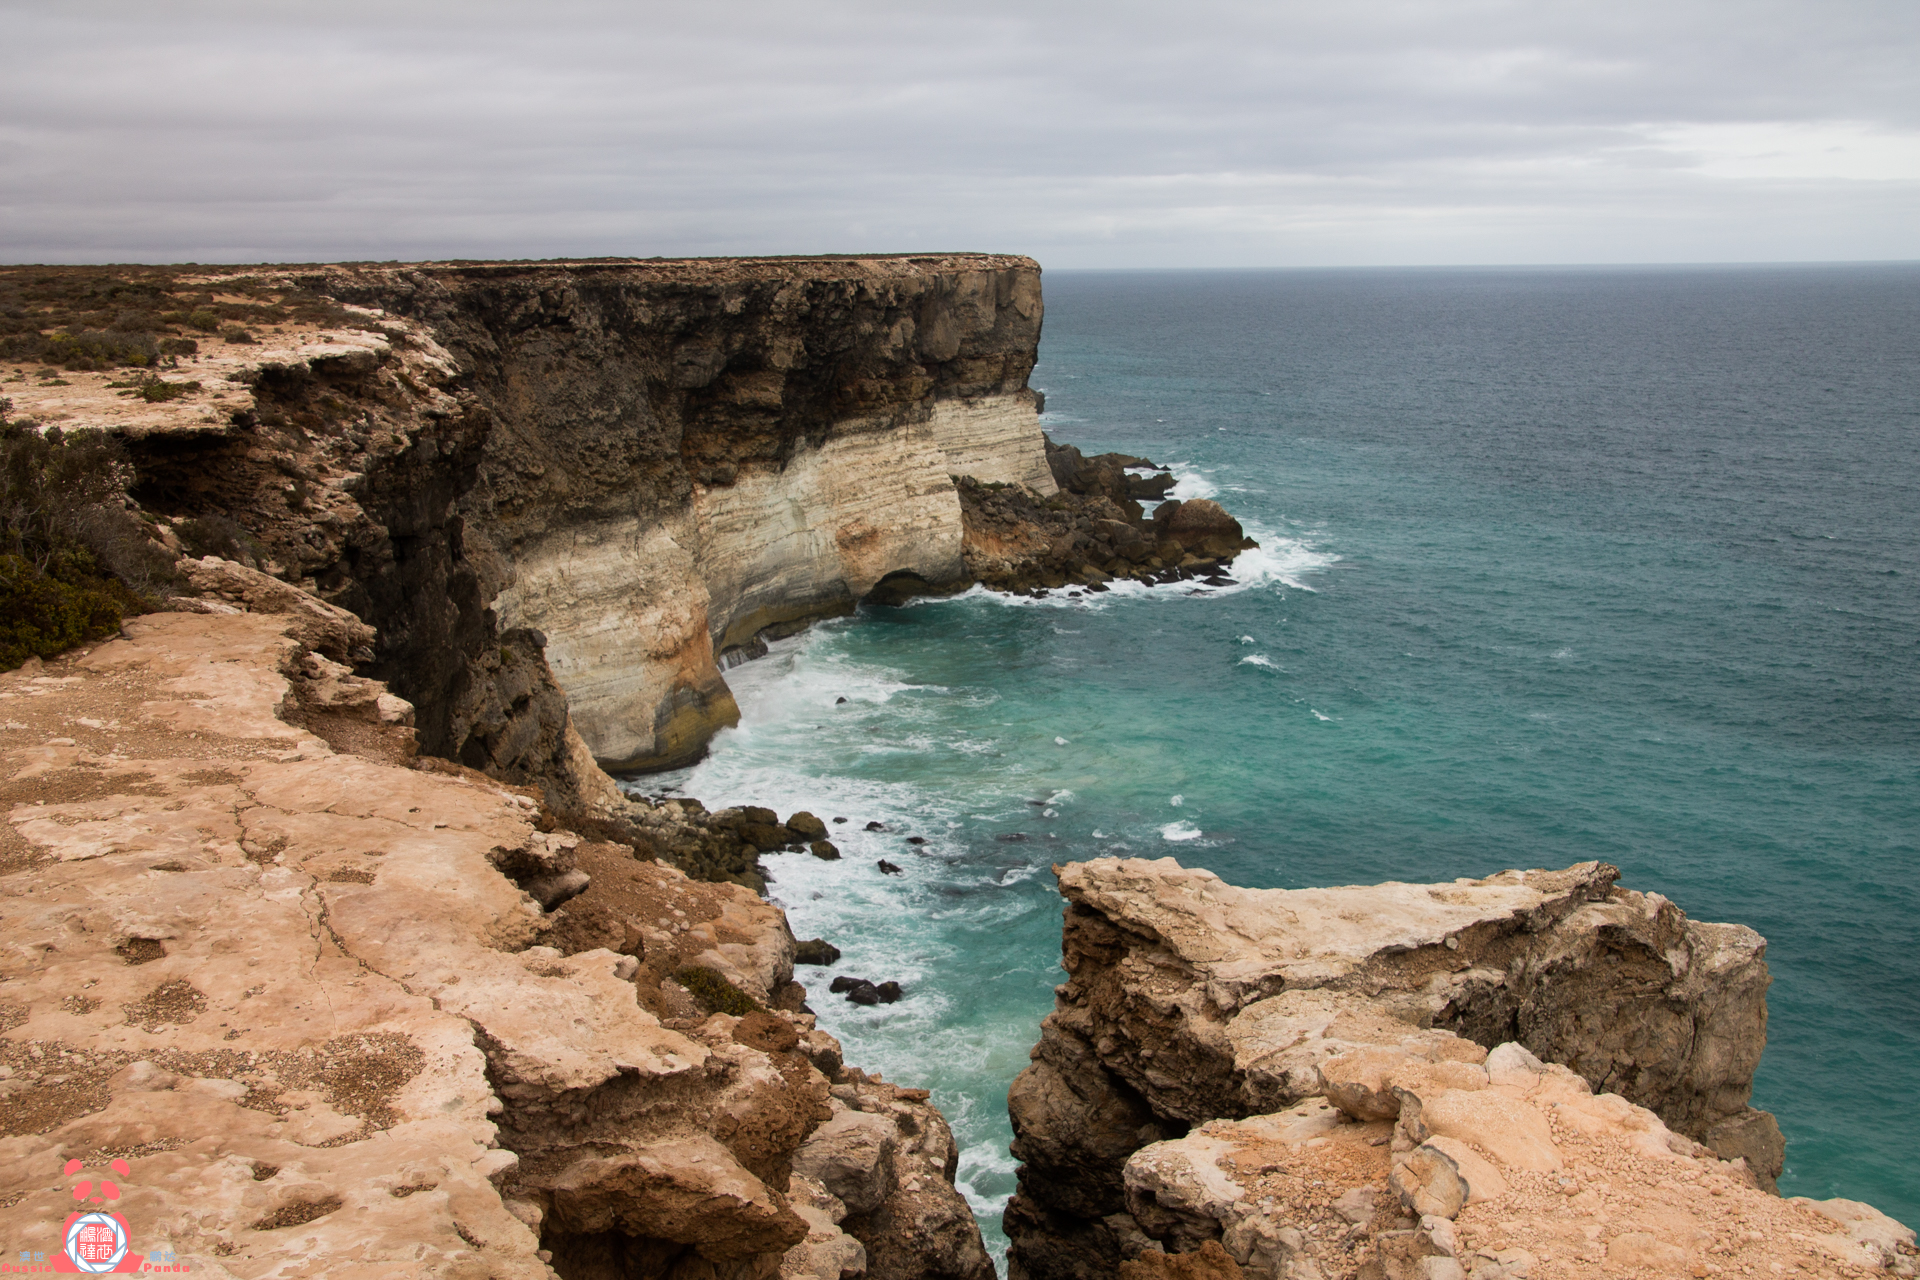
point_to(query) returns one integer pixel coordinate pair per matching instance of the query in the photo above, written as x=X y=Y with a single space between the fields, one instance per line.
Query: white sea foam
x=1176 y=801
x=1318 y=716
x=1246 y=639
x=1190 y=483
x=1258 y=660
x=1059 y=742
x=1179 y=831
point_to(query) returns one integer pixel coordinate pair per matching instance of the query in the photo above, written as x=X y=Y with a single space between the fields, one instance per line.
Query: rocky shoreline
x=333 y=948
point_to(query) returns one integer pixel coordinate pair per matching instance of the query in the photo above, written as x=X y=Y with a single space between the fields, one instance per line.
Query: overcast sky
x=1109 y=134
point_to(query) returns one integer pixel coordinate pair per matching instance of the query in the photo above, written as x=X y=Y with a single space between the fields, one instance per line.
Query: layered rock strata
x=1190 y=1000
x=582 y=484
x=336 y=1015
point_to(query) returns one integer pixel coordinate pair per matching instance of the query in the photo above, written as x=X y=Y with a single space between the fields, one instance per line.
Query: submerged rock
x=887 y=868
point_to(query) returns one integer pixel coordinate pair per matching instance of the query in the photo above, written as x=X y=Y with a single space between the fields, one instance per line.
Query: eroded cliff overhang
x=678 y=455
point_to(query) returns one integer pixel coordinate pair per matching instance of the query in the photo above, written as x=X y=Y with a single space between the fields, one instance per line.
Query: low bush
x=73 y=560
x=715 y=993
x=235 y=333
x=157 y=391
x=40 y=615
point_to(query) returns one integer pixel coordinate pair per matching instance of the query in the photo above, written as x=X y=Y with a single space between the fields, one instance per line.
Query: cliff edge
x=280 y=998
x=1209 y=1036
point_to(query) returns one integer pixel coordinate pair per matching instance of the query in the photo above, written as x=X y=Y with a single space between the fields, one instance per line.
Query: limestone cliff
x=1189 y=1000
x=579 y=484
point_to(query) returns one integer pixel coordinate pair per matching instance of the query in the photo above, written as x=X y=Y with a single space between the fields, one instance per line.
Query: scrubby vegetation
x=98 y=318
x=715 y=993
x=73 y=560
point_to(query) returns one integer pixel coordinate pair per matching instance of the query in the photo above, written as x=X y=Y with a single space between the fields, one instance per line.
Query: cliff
x=620 y=469
x=1320 y=1032
x=288 y=1004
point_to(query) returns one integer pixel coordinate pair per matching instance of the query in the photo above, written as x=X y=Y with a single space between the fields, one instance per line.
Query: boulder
x=807 y=826
x=850 y=1155
x=815 y=951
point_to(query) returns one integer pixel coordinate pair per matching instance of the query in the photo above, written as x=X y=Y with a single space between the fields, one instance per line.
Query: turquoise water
x=1556 y=565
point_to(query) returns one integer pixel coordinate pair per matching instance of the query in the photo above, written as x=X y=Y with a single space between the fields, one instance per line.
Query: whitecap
x=1318 y=716
x=1258 y=660
x=1189 y=484
x=1059 y=742
x=1176 y=801
x=1060 y=797
x=1246 y=639
x=1179 y=831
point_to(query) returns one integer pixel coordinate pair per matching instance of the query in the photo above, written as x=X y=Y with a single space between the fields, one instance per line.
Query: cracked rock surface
x=302 y=991
x=1352 y=1028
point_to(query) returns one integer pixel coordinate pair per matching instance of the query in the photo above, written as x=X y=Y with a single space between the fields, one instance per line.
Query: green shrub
x=205 y=321
x=179 y=347
x=89 y=349
x=41 y=615
x=235 y=333
x=715 y=993
x=73 y=559
x=156 y=391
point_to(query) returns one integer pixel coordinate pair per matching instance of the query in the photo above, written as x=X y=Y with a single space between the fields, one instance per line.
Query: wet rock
x=887 y=868
x=889 y=992
x=916 y=840
x=864 y=992
x=807 y=826
x=876 y=826
x=839 y=821
x=1012 y=837
x=815 y=951
x=825 y=850
x=844 y=983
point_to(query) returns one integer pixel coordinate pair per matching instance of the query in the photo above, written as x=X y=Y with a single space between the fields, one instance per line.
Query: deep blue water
x=1557 y=564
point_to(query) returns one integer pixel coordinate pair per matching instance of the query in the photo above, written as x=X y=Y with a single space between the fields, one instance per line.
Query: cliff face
x=1190 y=1000
x=581 y=484
x=677 y=457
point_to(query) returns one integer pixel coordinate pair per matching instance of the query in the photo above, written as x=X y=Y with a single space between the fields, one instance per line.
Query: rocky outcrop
x=1495 y=1168
x=1190 y=1001
x=288 y=999
x=1094 y=528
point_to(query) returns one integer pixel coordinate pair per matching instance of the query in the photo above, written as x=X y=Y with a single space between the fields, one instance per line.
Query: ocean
x=1556 y=564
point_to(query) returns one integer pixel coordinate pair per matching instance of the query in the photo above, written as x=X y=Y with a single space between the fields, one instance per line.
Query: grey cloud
x=1089 y=134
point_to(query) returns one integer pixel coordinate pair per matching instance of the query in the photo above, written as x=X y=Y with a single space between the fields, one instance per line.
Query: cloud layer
x=1111 y=134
